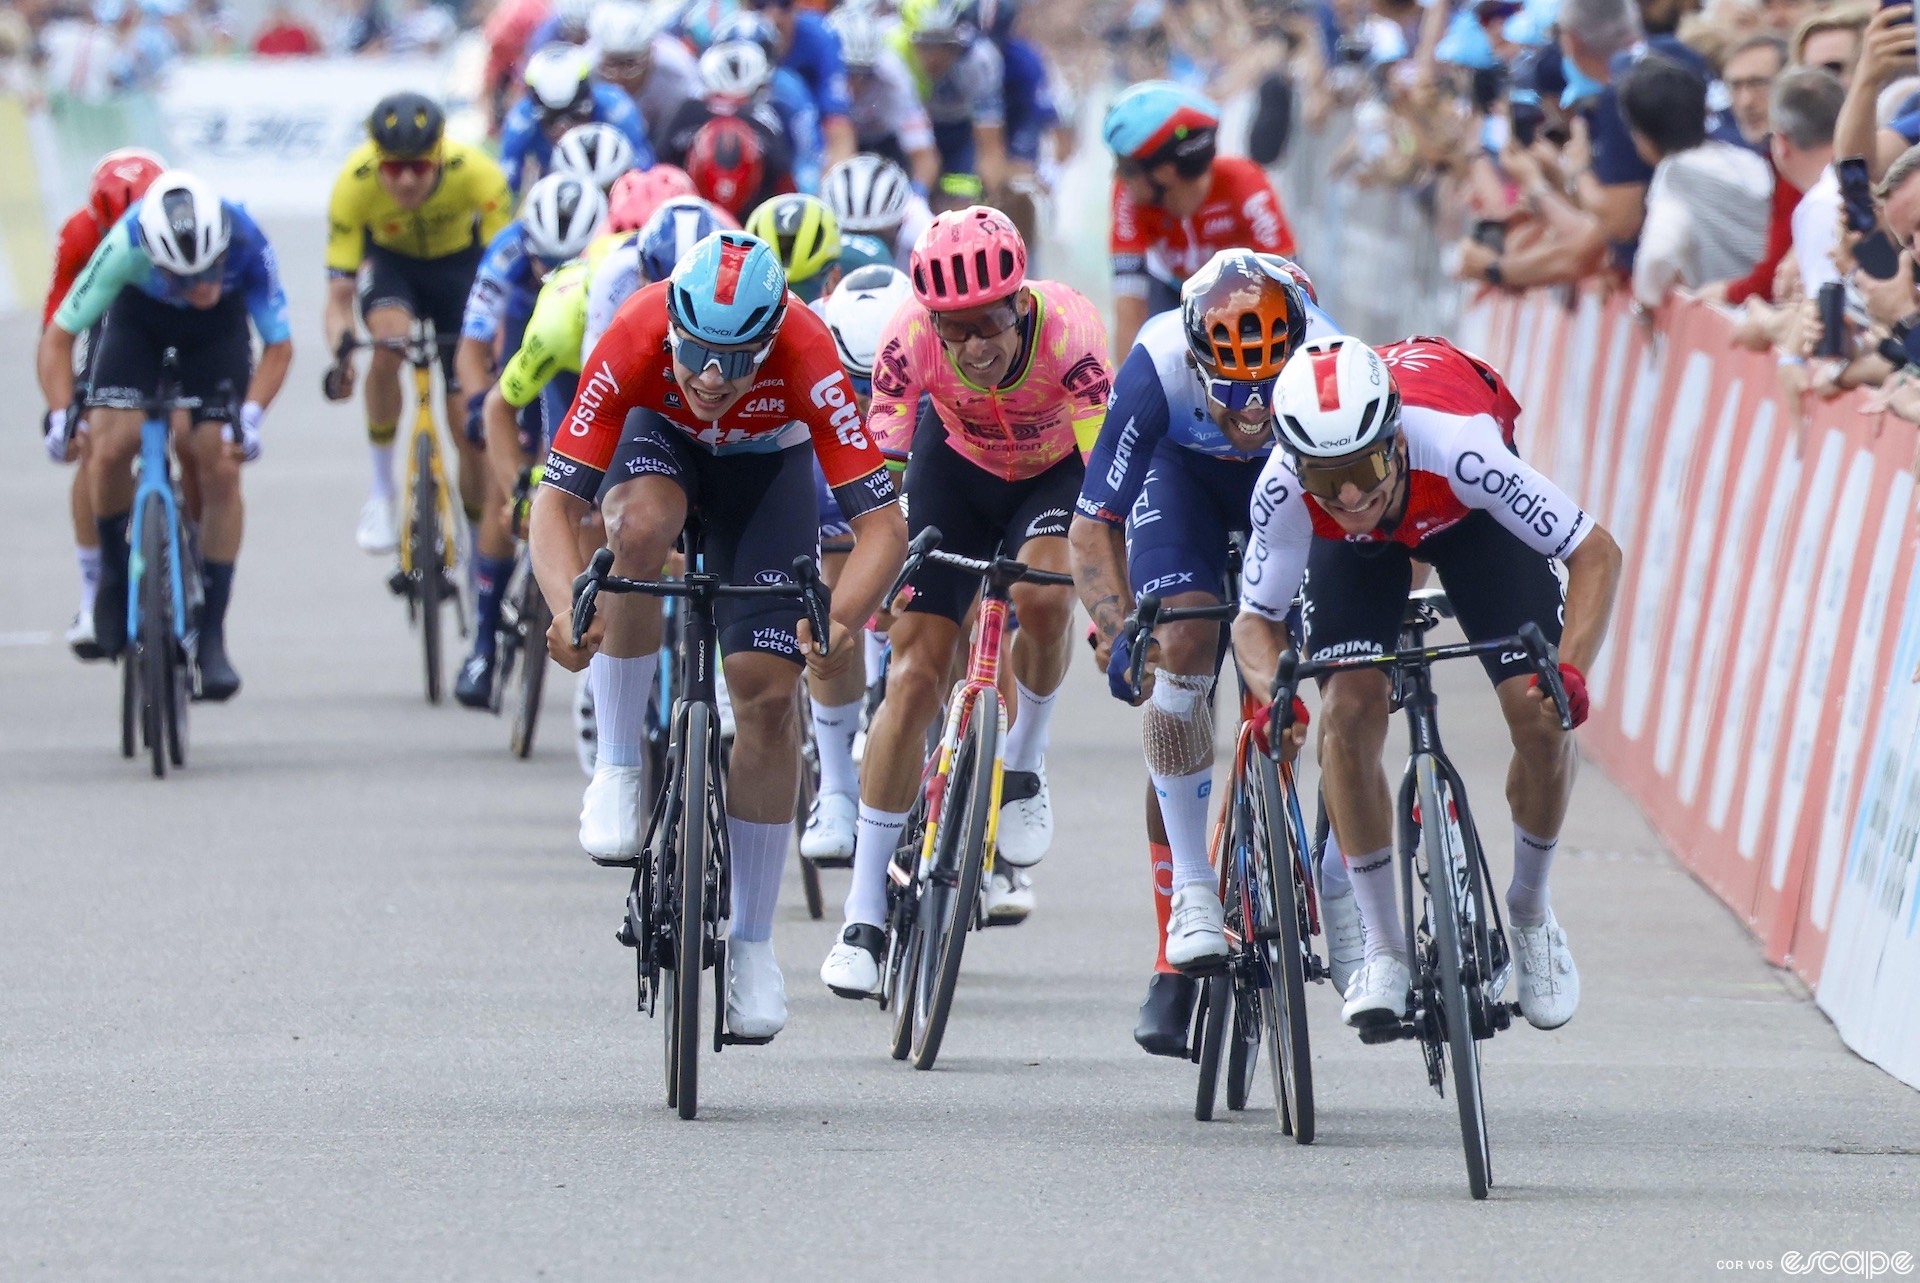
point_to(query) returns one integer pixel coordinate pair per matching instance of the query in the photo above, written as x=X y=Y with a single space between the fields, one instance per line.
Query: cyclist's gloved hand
x=246 y=432
x=53 y=430
x=1576 y=684
x=1263 y=724
x=1117 y=665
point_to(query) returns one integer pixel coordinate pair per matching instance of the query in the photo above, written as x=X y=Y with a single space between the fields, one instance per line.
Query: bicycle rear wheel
x=534 y=619
x=1278 y=860
x=690 y=901
x=809 y=789
x=1214 y=991
x=1243 y=1043
x=1439 y=838
x=182 y=689
x=424 y=550
x=129 y=701
x=154 y=645
x=952 y=897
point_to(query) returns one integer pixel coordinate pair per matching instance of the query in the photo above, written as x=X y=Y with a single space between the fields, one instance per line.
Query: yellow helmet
x=803 y=233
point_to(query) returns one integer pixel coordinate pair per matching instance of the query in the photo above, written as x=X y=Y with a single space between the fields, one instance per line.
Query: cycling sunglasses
x=213 y=272
x=1237 y=395
x=419 y=168
x=989 y=325
x=580 y=113
x=1185 y=166
x=1366 y=473
x=733 y=363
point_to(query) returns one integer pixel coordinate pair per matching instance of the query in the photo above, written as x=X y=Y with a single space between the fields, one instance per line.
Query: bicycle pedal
x=400 y=584
x=1204 y=969
x=616 y=861
x=829 y=861
x=1396 y=1031
x=732 y=1039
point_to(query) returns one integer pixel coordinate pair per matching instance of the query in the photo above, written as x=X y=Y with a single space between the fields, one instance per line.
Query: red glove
x=1576 y=685
x=1263 y=722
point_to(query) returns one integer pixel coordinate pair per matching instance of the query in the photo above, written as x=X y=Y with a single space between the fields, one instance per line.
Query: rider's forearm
x=1099 y=573
x=271 y=374
x=55 y=367
x=925 y=166
x=990 y=144
x=473 y=365
x=879 y=550
x=552 y=546
x=1257 y=646
x=1593 y=576
x=502 y=437
x=841 y=143
x=338 y=318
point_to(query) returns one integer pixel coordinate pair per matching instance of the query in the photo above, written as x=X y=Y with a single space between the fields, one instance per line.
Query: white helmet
x=184 y=225
x=735 y=69
x=861 y=37
x=558 y=76
x=597 y=152
x=867 y=193
x=1335 y=397
x=574 y=15
x=858 y=311
x=562 y=213
x=624 y=29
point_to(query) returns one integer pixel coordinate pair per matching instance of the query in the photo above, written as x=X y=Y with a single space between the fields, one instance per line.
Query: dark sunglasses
x=1367 y=474
x=575 y=114
x=987 y=326
x=1236 y=396
x=403 y=168
x=214 y=271
x=733 y=363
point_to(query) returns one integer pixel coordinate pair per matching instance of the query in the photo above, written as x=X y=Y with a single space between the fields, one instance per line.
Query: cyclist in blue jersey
x=1171 y=480
x=1030 y=109
x=562 y=92
x=963 y=83
x=185 y=270
x=785 y=91
x=809 y=48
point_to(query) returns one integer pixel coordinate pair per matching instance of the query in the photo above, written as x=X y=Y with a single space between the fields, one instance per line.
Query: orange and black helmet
x=1243 y=316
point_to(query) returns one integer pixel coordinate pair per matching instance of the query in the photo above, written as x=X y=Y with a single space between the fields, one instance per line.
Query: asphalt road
x=341 y=1001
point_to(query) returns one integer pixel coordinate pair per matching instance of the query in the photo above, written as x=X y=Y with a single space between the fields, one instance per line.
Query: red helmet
x=119 y=179
x=727 y=164
x=967 y=258
x=637 y=193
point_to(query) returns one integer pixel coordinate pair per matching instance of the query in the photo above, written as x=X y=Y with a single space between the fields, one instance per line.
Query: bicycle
x=937 y=879
x=164 y=592
x=431 y=528
x=810 y=785
x=1271 y=913
x=681 y=882
x=1458 y=946
x=522 y=632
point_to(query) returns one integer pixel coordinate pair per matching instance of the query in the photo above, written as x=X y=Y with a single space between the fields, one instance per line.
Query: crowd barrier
x=1757 y=697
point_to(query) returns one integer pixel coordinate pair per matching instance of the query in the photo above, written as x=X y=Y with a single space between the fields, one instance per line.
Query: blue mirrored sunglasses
x=1234 y=395
x=733 y=363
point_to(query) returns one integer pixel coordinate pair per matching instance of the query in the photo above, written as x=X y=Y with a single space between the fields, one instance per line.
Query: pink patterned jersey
x=1054 y=406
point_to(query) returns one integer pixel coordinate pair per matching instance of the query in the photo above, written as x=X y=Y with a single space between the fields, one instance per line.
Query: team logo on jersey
x=771 y=578
x=830 y=394
x=1087 y=377
x=765 y=405
x=592 y=394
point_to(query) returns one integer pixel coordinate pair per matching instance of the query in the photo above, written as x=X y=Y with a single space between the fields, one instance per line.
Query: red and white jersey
x=1456 y=426
x=1241 y=211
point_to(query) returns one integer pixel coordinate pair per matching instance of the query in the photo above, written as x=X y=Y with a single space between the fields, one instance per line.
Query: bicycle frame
x=420 y=351
x=156 y=480
x=983 y=678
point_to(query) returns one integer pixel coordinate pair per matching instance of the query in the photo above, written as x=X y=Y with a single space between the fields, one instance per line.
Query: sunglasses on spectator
x=1368 y=473
x=397 y=169
x=986 y=325
x=733 y=363
x=1236 y=395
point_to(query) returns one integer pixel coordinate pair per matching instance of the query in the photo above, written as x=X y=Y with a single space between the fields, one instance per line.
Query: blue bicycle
x=164 y=593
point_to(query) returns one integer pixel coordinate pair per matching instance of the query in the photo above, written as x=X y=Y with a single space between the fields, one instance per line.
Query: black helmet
x=406 y=125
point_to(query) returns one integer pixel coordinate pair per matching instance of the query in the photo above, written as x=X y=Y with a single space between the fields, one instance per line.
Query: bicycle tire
x=1462 y=1050
x=963 y=838
x=803 y=806
x=181 y=690
x=155 y=642
x=129 y=702
x=905 y=972
x=690 y=868
x=1214 y=998
x=1284 y=1009
x=424 y=550
x=532 y=625
x=1243 y=1043
x=903 y=937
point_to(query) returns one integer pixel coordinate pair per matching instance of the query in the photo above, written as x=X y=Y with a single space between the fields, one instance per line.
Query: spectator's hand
x=1802 y=331
x=1474 y=258
x=1793 y=386
x=1521 y=165
x=1786 y=281
x=1841 y=255
x=1826 y=382
x=1715 y=293
x=1889 y=300
x=1899 y=395
x=1887 y=46
x=1754 y=328
x=1577 y=156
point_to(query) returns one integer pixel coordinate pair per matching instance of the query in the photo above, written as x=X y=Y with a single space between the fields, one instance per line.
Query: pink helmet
x=967 y=258
x=637 y=193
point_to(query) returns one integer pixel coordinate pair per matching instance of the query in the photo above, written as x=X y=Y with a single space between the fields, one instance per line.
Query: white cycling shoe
x=586 y=731
x=1346 y=938
x=756 y=993
x=1009 y=897
x=1549 y=984
x=1026 y=819
x=1195 y=935
x=375 y=534
x=1378 y=992
x=610 y=812
x=852 y=968
x=830 y=827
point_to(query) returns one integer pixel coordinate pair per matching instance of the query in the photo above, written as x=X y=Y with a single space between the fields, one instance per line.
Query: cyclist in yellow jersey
x=410 y=216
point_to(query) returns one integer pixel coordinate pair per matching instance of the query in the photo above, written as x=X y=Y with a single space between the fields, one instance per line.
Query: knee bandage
x=1178 y=729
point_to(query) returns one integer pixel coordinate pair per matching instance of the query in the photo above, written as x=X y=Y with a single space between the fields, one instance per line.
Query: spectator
x=1783 y=17
x=286 y=36
x=1887 y=53
x=1707 y=202
x=1831 y=41
x=1748 y=74
x=1806 y=104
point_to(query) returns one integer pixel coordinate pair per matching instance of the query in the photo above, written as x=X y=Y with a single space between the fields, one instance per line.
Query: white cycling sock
x=1334 y=879
x=1027 y=740
x=382 y=469
x=1527 y=900
x=759 y=858
x=1183 y=808
x=622 y=692
x=1373 y=890
x=89 y=559
x=833 y=729
x=873 y=848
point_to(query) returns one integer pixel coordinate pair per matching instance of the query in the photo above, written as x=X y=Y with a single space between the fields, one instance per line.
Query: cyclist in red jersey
x=1175 y=203
x=715 y=390
x=119 y=179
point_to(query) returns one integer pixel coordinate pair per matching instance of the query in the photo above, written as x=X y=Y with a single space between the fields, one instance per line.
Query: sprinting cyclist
x=785 y=91
x=119 y=179
x=888 y=117
x=811 y=50
x=1167 y=488
x=963 y=84
x=714 y=391
x=1016 y=378
x=874 y=196
x=734 y=78
x=739 y=163
x=806 y=239
x=184 y=270
x=637 y=56
x=562 y=92
x=1388 y=456
x=417 y=209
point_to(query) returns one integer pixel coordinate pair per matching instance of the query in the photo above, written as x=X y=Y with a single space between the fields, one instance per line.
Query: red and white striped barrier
x=1757 y=696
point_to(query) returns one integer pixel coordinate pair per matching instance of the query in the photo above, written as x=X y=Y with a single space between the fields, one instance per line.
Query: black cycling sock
x=219 y=586
x=113 y=542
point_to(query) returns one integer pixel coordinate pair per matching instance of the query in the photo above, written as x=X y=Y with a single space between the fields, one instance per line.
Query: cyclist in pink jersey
x=1017 y=378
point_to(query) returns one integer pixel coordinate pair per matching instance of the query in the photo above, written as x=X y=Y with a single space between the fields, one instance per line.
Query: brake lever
x=586 y=592
x=1546 y=665
x=1286 y=686
x=1146 y=613
x=818 y=599
x=923 y=543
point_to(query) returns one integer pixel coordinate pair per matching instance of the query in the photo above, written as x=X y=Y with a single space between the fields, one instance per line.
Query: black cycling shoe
x=218 y=680
x=110 y=610
x=475 y=686
x=1166 y=1014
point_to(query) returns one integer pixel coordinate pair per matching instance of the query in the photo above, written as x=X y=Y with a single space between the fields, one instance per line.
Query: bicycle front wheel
x=952 y=898
x=1277 y=864
x=1446 y=874
x=154 y=644
x=424 y=544
x=803 y=807
x=689 y=932
x=1213 y=1034
x=533 y=622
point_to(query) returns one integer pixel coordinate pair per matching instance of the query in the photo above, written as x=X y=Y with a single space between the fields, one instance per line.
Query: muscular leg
x=1353 y=732
x=836 y=708
x=761 y=785
x=1539 y=786
x=216 y=476
x=115 y=442
x=383 y=392
x=1041 y=650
